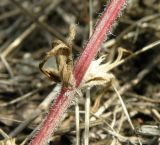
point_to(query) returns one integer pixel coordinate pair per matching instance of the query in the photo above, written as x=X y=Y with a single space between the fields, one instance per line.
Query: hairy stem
x=63 y=101
x=103 y=27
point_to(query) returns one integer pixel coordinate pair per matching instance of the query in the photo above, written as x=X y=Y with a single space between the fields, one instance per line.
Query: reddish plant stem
x=63 y=101
x=102 y=28
x=53 y=118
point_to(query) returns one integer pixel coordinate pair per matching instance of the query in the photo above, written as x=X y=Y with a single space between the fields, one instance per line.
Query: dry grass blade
x=7 y=140
x=87 y=117
x=77 y=123
x=43 y=25
x=124 y=94
x=124 y=107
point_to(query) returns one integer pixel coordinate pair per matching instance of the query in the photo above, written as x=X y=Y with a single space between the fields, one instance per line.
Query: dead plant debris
x=25 y=93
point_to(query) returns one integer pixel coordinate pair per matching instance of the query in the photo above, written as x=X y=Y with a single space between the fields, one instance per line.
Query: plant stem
x=103 y=27
x=64 y=100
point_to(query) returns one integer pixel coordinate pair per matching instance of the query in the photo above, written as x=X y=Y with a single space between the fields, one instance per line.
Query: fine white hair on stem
x=87 y=117
x=42 y=106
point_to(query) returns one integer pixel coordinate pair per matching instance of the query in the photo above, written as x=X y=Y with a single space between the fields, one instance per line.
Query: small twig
x=149 y=130
x=25 y=96
x=18 y=41
x=112 y=132
x=122 y=34
x=43 y=106
x=90 y=17
x=9 y=14
x=143 y=50
x=144 y=19
x=10 y=72
x=125 y=111
x=67 y=17
x=7 y=66
x=9 y=32
x=124 y=107
x=87 y=117
x=4 y=134
x=42 y=24
x=156 y=114
x=82 y=126
x=144 y=98
x=77 y=123
x=133 y=82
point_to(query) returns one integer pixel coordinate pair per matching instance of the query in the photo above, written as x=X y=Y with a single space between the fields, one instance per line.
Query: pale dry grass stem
x=87 y=117
x=77 y=122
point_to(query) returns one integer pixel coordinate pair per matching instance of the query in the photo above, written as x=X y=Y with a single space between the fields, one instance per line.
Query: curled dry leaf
x=63 y=54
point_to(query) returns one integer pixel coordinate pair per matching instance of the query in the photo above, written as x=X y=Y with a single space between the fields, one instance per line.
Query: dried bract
x=63 y=54
x=99 y=73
